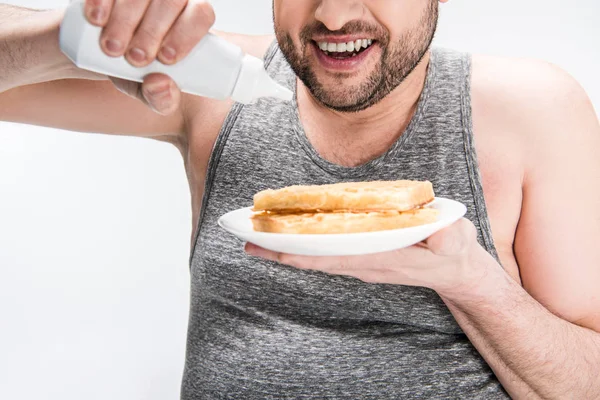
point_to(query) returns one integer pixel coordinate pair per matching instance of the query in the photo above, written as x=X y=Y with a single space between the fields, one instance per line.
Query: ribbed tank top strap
x=471 y=157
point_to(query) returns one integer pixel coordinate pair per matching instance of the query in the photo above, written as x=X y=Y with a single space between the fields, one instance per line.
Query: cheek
x=398 y=16
x=291 y=15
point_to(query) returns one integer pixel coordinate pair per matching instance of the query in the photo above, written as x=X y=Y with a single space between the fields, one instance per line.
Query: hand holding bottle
x=147 y=30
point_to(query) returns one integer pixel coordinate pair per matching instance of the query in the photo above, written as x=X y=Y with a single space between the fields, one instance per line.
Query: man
x=503 y=303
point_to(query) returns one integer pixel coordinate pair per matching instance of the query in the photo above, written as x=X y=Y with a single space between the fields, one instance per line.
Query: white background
x=94 y=230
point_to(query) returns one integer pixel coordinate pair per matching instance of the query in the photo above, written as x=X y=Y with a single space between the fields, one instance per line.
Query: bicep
x=86 y=106
x=557 y=240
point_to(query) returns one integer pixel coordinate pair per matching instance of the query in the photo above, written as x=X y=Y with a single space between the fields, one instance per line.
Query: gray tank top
x=261 y=330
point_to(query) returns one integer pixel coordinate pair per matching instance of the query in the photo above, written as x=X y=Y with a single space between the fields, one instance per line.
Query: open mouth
x=344 y=51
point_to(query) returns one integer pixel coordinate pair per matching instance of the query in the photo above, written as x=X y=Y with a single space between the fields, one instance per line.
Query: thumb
x=453 y=240
x=159 y=92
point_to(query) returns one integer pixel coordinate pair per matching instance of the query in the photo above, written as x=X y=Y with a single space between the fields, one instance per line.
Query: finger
x=157 y=21
x=365 y=268
x=191 y=26
x=161 y=93
x=453 y=240
x=336 y=265
x=98 y=11
x=124 y=19
x=135 y=90
x=257 y=251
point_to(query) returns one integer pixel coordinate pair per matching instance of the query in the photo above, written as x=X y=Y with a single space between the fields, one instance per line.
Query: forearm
x=29 y=50
x=534 y=353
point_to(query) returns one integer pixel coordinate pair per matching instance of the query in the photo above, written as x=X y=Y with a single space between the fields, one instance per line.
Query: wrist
x=482 y=277
x=42 y=32
x=34 y=55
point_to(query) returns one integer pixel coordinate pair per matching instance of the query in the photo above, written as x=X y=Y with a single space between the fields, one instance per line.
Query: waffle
x=341 y=222
x=356 y=196
x=344 y=207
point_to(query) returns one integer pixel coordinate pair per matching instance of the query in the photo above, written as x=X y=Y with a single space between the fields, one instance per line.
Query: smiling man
x=504 y=303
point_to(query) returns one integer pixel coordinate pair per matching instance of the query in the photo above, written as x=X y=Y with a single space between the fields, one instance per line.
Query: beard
x=397 y=61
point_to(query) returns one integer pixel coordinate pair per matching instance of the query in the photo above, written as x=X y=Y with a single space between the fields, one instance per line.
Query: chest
x=497 y=157
x=254 y=153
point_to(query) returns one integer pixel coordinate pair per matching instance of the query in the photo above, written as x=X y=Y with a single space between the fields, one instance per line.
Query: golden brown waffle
x=341 y=222
x=355 y=196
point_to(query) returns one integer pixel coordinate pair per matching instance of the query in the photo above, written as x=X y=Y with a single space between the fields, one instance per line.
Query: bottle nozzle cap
x=254 y=82
x=278 y=91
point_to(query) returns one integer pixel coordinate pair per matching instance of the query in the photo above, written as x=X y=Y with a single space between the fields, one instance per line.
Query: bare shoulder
x=206 y=114
x=534 y=103
x=204 y=117
x=531 y=96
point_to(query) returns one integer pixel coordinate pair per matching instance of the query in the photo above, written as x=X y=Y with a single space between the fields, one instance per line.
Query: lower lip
x=347 y=64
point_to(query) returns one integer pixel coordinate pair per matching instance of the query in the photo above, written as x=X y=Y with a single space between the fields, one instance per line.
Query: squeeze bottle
x=215 y=68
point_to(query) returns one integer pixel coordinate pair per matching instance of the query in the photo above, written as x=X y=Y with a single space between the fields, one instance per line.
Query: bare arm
x=534 y=353
x=543 y=340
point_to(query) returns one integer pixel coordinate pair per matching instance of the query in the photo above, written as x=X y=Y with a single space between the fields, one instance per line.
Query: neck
x=352 y=139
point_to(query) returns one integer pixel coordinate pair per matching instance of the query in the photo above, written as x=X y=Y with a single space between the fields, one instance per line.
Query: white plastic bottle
x=215 y=68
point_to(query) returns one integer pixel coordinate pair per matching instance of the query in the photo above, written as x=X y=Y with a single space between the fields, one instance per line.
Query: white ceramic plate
x=238 y=223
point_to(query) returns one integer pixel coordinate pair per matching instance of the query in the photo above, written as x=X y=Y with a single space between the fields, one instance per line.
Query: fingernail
x=97 y=14
x=159 y=97
x=167 y=53
x=114 y=46
x=137 y=55
x=158 y=90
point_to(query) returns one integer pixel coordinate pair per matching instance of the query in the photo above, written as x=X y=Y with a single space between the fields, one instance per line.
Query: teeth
x=344 y=47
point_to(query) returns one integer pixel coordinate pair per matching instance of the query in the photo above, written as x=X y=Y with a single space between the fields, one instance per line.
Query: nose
x=334 y=14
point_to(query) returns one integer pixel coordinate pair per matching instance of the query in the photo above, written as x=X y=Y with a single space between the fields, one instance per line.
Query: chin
x=343 y=95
